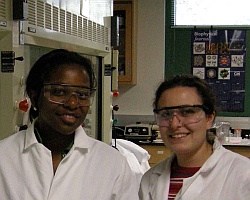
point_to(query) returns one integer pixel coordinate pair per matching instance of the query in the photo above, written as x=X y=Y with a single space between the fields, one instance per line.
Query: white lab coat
x=91 y=170
x=136 y=156
x=224 y=176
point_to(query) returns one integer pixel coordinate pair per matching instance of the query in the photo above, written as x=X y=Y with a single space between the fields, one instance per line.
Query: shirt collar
x=81 y=140
x=30 y=138
x=214 y=158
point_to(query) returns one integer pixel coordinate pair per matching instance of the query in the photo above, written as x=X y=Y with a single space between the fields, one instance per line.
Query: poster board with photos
x=219 y=57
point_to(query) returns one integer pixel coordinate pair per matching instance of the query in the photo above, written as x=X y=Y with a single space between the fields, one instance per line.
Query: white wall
x=150 y=61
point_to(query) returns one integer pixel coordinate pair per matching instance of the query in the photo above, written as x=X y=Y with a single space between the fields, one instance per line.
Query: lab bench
x=243 y=150
x=159 y=152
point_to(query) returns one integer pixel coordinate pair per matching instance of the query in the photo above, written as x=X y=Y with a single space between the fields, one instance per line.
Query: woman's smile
x=69 y=118
x=180 y=135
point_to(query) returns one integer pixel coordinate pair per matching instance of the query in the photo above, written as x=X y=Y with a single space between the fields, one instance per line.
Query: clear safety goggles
x=61 y=93
x=186 y=114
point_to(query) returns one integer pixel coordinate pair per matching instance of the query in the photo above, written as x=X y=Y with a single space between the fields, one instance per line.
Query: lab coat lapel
x=161 y=180
x=207 y=166
x=161 y=185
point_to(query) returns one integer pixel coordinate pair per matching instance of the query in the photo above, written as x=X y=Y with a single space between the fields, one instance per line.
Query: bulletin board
x=219 y=57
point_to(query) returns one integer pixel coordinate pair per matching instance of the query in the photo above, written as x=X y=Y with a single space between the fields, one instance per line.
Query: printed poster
x=219 y=57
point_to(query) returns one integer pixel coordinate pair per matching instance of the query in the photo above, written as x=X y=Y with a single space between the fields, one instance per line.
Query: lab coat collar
x=81 y=140
x=30 y=138
x=210 y=163
x=214 y=158
x=162 y=174
x=160 y=179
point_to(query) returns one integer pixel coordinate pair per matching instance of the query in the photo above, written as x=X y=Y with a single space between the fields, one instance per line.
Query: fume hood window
x=93 y=10
x=211 y=12
x=73 y=6
x=98 y=9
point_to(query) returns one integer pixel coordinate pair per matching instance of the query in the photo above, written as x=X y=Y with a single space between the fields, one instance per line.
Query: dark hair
x=203 y=88
x=45 y=66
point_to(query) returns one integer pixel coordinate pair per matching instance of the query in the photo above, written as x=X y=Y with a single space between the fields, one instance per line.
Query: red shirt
x=179 y=173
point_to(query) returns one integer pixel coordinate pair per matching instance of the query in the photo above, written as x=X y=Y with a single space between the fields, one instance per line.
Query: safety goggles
x=61 y=93
x=186 y=114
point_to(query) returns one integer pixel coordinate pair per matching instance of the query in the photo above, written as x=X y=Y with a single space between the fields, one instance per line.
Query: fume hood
x=48 y=27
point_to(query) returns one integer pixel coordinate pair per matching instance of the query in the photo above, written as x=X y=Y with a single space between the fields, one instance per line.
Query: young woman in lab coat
x=199 y=168
x=54 y=159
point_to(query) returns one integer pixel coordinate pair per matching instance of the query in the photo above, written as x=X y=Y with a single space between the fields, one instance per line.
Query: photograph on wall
x=219 y=57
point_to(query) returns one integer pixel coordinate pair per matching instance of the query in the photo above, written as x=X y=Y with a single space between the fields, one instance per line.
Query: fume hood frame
x=50 y=26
